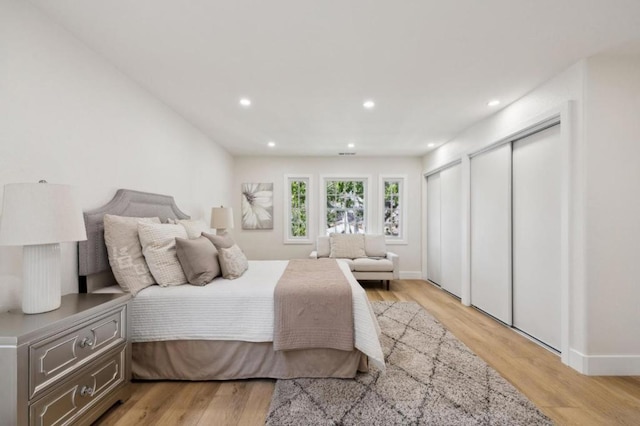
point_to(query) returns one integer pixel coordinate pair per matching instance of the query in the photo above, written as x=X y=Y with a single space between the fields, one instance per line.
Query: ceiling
x=431 y=66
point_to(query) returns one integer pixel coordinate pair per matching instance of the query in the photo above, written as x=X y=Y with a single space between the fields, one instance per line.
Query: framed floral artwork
x=257 y=206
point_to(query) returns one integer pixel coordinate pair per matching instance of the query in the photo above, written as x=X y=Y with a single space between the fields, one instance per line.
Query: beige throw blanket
x=313 y=307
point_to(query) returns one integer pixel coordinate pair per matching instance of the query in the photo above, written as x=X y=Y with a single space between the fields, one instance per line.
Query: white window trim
x=310 y=238
x=403 y=203
x=323 y=199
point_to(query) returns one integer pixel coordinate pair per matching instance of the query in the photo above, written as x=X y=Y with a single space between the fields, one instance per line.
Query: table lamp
x=39 y=216
x=221 y=219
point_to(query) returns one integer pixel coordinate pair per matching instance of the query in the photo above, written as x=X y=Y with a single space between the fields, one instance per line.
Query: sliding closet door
x=433 y=228
x=536 y=235
x=491 y=232
x=451 y=229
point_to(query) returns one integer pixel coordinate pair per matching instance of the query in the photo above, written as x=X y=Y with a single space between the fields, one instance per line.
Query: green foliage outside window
x=299 y=212
x=345 y=206
x=392 y=208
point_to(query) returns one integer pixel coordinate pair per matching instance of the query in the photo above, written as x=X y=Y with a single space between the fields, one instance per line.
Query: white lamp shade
x=40 y=213
x=222 y=217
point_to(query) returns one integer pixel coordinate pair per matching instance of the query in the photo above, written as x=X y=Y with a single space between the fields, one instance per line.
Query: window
x=393 y=209
x=297 y=208
x=345 y=205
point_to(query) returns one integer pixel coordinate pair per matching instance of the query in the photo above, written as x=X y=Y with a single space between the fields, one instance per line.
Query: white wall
x=268 y=244
x=68 y=116
x=612 y=137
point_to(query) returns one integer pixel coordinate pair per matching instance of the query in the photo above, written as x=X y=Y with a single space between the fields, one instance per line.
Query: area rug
x=431 y=378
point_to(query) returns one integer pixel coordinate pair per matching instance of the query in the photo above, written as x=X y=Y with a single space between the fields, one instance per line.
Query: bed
x=223 y=330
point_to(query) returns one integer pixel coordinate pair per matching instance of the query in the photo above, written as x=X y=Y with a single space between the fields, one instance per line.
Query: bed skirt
x=230 y=360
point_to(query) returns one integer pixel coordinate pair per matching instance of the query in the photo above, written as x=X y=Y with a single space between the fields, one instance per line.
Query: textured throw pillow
x=199 y=260
x=220 y=241
x=194 y=228
x=323 y=246
x=159 y=249
x=375 y=246
x=233 y=262
x=349 y=246
x=125 y=252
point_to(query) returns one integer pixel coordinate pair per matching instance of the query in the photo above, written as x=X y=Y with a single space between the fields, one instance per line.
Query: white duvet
x=240 y=309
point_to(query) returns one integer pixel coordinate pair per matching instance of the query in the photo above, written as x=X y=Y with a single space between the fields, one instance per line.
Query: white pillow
x=233 y=262
x=125 y=253
x=347 y=246
x=375 y=246
x=194 y=228
x=159 y=249
x=323 y=246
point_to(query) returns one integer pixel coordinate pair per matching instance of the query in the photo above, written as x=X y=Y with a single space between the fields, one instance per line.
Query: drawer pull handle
x=86 y=391
x=86 y=343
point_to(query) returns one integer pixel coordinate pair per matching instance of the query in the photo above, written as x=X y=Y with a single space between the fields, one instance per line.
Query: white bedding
x=240 y=309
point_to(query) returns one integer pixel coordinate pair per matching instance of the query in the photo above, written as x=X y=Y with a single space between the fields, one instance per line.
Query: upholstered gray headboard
x=92 y=253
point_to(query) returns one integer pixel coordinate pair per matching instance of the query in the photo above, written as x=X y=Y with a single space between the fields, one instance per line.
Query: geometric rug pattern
x=431 y=378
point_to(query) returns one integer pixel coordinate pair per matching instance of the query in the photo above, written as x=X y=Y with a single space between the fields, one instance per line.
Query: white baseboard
x=410 y=275
x=605 y=365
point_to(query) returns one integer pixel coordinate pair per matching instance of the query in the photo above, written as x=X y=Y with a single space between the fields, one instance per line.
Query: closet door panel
x=536 y=235
x=451 y=229
x=433 y=228
x=491 y=232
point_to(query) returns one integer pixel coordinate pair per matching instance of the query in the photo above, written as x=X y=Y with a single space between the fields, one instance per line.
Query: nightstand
x=65 y=366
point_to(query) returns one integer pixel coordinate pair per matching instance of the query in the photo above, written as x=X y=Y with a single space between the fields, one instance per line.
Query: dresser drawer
x=51 y=358
x=76 y=395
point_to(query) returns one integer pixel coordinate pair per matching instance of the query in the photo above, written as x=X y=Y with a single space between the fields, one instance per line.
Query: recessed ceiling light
x=271 y=144
x=369 y=104
x=351 y=145
x=493 y=102
x=431 y=145
x=245 y=102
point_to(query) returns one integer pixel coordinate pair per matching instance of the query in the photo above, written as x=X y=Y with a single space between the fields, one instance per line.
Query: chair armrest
x=313 y=255
x=395 y=259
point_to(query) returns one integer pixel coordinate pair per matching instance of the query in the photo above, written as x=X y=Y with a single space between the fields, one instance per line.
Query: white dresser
x=66 y=366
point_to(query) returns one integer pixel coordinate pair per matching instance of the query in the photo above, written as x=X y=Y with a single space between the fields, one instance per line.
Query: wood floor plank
x=373 y=295
x=257 y=406
x=622 y=387
x=190 y=404
x=113 y=416
x=151 y=406
x=227 y=405
x=566 y=396
x=573 y=416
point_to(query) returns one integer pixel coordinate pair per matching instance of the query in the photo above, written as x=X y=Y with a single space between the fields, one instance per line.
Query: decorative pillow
x=375 y=246
x=194 y=228
x=348 y=246
x=159 y=249
x=323 y=246
x=199 y=260
x=233 y=262
x=125 y=252
x=220 y=241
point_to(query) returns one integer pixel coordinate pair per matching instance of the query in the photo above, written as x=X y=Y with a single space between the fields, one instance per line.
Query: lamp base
x=41 y=278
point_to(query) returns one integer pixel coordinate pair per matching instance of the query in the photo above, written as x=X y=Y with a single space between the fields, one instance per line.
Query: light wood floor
x=566 y=396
